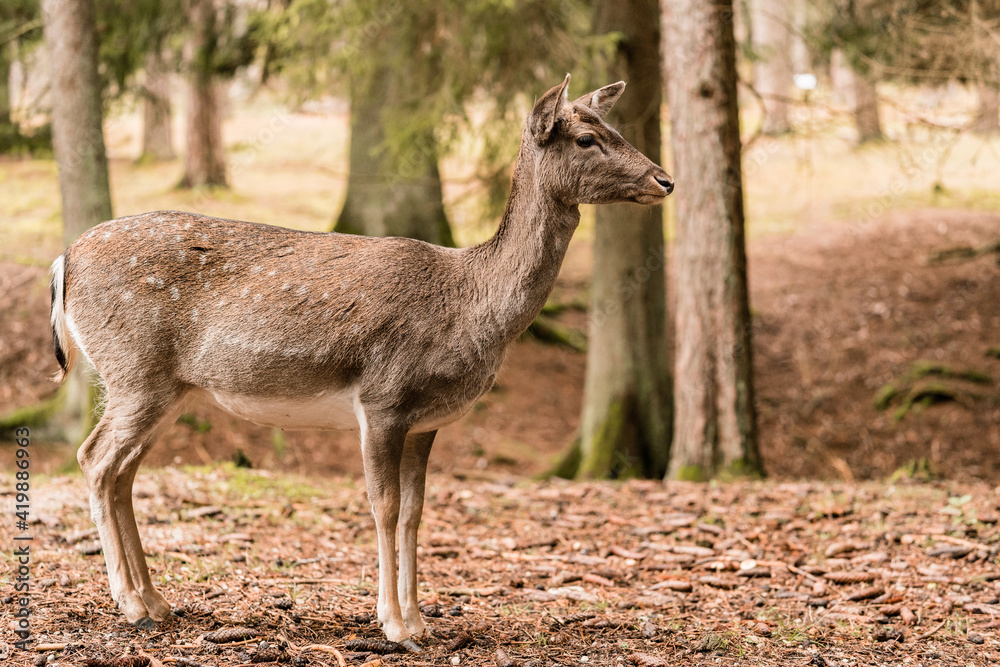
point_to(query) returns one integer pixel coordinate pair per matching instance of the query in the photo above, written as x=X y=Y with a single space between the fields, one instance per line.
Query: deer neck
x=517 y=268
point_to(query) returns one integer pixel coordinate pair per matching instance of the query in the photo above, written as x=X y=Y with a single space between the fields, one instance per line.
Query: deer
x=392 y=337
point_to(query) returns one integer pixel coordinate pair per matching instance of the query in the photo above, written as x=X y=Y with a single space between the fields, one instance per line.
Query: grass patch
x=236 y=483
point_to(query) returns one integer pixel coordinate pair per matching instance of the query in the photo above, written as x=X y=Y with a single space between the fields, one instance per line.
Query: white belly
x=327 y=409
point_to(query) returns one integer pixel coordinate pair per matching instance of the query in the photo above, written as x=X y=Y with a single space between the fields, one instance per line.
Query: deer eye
x=585 y=140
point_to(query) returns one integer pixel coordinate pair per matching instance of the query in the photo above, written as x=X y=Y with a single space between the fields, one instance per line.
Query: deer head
x=584 y=160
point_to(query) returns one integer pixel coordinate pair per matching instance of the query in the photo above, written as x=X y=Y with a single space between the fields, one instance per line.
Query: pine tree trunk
x=627 y=411
x=841 y=80
x=8 y=133
x=78 y=142
x=390 y=197
x=772 y=73
x=204 y=163
x=988 y=115
x=715 y=422
x=866 y=116
x=157 y=129
x=77 y=132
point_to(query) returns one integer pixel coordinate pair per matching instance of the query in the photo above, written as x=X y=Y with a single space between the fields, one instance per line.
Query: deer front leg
x=412 y=476
x=382 y=450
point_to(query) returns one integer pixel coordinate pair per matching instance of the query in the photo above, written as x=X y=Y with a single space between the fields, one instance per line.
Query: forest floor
x=267 y=568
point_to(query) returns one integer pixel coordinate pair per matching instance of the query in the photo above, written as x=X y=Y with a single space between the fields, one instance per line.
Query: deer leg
x=156 y=604
x=412 y=474
x=108 y=459
x=382 y=450
x=100 y=481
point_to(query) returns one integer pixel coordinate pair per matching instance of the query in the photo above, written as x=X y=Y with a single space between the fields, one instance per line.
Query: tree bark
x=157 y=130
x=204 y=162
x=8 y=131
x=866 y=116
x=841 y=80
x=715 y=429
x=390 y=197
x=773 y=71
x=77 y=132
x=988 y=115
x=627 y=411
x=78 y=143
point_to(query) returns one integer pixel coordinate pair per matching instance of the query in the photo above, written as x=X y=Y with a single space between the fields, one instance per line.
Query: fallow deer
x=391 y=336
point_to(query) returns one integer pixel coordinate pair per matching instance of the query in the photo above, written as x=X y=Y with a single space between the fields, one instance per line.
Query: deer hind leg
x=109 y=460
x=382 y=451
x=412 y=475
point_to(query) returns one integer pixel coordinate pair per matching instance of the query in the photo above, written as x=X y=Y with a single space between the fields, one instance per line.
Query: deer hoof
x=411 y=645
x=145 y=623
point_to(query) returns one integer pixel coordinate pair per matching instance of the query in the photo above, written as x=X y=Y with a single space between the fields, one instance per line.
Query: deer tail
x=62 y=341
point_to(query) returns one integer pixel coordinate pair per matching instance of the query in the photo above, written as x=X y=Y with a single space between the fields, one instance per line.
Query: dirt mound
x=845 y=313
x=840 y=314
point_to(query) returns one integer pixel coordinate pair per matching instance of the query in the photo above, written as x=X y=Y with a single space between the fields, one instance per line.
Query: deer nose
x=666 y=183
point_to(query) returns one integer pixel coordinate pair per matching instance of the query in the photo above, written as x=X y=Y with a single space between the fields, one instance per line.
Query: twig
x=929 y=633
x=959 y=541
x=327 y=649
x=41 y=648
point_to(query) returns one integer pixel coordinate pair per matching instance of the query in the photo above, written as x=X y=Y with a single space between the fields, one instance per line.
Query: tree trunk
x=988 y=116
x=715 y=428
x=8 y=132
x=866 y=116
x=78 y=142
x=841 y=80
x=77 y=132
x=204 y=163
x=157 y=130
x=627 y=411
x=390 y=197
x=772 y=72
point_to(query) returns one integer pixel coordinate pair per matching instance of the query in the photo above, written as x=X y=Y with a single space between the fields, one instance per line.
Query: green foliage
x=914 y=40
x=921 y=470
x=20 y=22
x=440 y=63
x=241 y=460
x=20 y=31
x=15 y=140
x=190 y=419
x=127 y=32
x=279 y=443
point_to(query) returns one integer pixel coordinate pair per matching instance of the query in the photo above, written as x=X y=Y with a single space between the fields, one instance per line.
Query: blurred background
x=870 y=188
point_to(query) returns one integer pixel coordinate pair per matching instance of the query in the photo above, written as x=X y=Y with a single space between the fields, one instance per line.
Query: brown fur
x=396 y=334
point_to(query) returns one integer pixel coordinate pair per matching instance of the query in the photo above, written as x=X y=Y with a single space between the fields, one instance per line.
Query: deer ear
x=547 y=110
x=602 y=99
